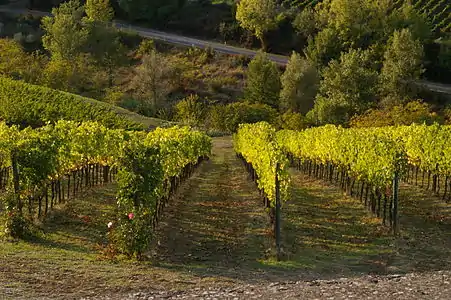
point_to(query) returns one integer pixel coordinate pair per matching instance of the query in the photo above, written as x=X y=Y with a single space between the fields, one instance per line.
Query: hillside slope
x=31 y=105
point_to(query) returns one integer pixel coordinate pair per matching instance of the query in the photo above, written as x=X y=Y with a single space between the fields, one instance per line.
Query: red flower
x=131 y=216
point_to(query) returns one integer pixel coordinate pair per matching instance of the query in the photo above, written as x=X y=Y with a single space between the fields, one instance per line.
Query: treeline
x=356 y=68
x=86 y=56
x=285 y=25
x=362 y=57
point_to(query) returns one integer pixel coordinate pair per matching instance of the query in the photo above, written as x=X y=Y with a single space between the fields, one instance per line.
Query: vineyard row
x=367 y=163
x=40 y=167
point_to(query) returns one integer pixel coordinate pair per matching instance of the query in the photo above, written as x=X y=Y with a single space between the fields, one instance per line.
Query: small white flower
x=110 y=224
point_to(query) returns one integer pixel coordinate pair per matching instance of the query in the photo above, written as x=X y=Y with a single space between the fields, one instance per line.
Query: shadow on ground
x=217 y=227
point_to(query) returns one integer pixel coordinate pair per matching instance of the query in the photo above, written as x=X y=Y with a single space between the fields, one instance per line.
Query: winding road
x=222 y=48
x=166 y=37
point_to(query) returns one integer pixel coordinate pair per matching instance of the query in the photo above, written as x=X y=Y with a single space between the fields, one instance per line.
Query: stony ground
x=435 y=285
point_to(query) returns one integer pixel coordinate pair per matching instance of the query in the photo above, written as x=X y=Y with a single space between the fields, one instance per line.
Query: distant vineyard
x=300 y=3
x=33 y=105
x=438 y=11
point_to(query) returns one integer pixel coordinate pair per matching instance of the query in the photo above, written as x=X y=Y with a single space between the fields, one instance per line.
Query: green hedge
x=31 y=105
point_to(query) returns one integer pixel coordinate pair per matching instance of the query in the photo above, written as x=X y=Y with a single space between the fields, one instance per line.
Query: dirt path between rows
x=216 y=226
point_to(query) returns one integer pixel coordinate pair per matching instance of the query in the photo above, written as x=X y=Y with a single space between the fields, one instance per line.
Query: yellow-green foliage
x=258 y=145
x=31 y=105
x=365 y=154
x=413 y=112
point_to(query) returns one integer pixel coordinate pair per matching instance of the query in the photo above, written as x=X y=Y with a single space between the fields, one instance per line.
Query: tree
x=348 y=87
x=16 y=63
x=103 y=43
x=324 y=47
x=305 y=22
x=153 y=11
x=99 y=10
x=65 y=35
x=342 y=25
x=154 y=79
x=402 y=66
x=263 y=81
x=408 y=17
x=300 y=83
x=79 y=76
x=258 y=16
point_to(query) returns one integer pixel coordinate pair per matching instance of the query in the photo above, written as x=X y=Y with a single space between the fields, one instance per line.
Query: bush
x=229 y=117
x=291 y=121
x=31 y=105
x=130 y=38
x=412 y=112
x=239 y=61
x=190 y=110
x=145 y=48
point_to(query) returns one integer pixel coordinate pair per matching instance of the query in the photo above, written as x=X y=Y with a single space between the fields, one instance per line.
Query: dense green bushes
x=413 y=112
x=30 y=105
x=228 y=117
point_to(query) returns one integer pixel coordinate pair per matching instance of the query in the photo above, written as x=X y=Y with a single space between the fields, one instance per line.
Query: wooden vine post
x=15 y=171
x=395 y=204
x=277 y=222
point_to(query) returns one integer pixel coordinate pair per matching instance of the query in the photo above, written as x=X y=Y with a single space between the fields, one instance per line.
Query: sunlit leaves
x=258 y=145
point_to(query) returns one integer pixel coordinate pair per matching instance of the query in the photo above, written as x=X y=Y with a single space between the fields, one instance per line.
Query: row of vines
x=26 y=105
x=45 y=166
x=367 y=163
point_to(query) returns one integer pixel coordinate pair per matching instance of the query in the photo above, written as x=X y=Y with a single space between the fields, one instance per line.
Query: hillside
x=31 y=105
x=438 y=12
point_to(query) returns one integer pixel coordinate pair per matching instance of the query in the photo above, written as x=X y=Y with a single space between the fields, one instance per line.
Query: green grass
x=68 y=259
x=327 y=232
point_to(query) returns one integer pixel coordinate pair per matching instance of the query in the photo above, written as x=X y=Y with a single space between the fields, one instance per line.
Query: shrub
x=412 y=112
x=291 y=121
x=145 y=47
x=229 y=117
x=190 y=110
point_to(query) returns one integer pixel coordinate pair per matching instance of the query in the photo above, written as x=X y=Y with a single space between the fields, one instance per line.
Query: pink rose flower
x=131 y=216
